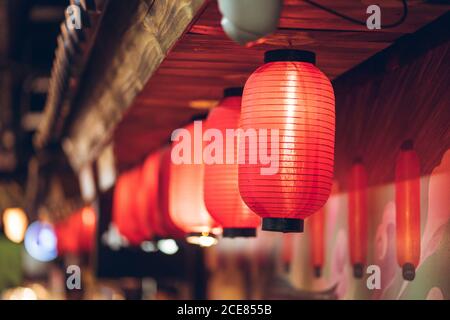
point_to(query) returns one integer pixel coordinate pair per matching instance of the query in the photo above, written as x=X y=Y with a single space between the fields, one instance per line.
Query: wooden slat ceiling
x=205 y=61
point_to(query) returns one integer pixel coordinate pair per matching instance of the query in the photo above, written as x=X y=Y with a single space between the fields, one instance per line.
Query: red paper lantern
x=317 y=225
x=147 y=195
x=76 y=234
x=67 y=241
x=170 y=228
x=125 y=208
x=289 y=94
x=357 y=217
x=186 y=204
x=407 y=203
x=222 y=197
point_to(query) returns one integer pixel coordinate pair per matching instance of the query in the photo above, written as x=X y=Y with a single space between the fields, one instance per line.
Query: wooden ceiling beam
x=133 y=41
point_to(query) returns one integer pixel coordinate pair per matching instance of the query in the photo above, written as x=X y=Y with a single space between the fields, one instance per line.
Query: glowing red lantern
x=289 y=94
x=170 y=228
x=67 y=241
x=76 y=234
x=186 y=204
x=125 y=208
x=88 y=226
x=357 y=217
x=317 y=225
x=222 y=197
x=407 y=203
x=147 y=195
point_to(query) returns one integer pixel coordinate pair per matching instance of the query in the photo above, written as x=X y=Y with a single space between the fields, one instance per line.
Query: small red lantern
x=357 y=217
x=125 y=208
x=88 y=226
x=289 y=94
x=222 y=197
x=407 y=203
x=186 y=204
x=317 y=225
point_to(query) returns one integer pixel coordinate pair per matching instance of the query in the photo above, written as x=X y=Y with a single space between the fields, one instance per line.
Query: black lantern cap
x=409 y=271
x=317 y=271
x=358 y=270
x=290 y=55
x=233 y=92
x=239 y=232
x=285 y=225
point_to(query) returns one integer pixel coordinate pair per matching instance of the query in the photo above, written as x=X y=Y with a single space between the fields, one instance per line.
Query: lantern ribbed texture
x=407 y=203
x=317 y=225
x=186 y=204
x=125 y=207
x=170 y=228
x=357 y=217
x=290 y=94
x=222 y=198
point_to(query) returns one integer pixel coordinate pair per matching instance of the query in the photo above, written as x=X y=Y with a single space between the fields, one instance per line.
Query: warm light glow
x=203 y=104
x=148 y=246
x=20 y=293
x=167 y=246
x=15 y=223
x=88 y=217
x=204 y=240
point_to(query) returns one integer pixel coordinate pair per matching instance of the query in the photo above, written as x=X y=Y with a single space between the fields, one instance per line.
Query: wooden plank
x=136 y=36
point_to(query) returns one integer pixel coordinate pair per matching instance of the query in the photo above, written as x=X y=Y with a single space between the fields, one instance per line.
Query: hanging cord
x=363 y=23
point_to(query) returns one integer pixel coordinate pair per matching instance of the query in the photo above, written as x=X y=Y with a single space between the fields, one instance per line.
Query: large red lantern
x=289 y=94
x=186 y=204
x=357 y=217
x=407 y=203
x=222 y=197
x=125 y=208
x=317 y=225
x=170 y=228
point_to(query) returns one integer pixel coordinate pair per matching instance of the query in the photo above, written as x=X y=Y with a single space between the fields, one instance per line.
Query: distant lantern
x=317 y=225
x=357 y=217
x=407 y=203
x=222 y=197
x=147 y=195
x=171 y=230
x=186 y=204
x=88 y=228
x=125 y=208
x=289 y=94
x=76 y=233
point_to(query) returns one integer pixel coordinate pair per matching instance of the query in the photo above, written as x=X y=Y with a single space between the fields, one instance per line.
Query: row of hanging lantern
x=407 y=204
x=288 y=94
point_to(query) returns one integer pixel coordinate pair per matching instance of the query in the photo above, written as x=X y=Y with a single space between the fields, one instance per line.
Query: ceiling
x=204 y=62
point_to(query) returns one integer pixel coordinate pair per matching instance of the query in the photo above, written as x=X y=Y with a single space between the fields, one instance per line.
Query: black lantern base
x=317 y=271
x=358 y=269
x=239 y=232
x=409 y=271
x=285 y=225
x=290 y=55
